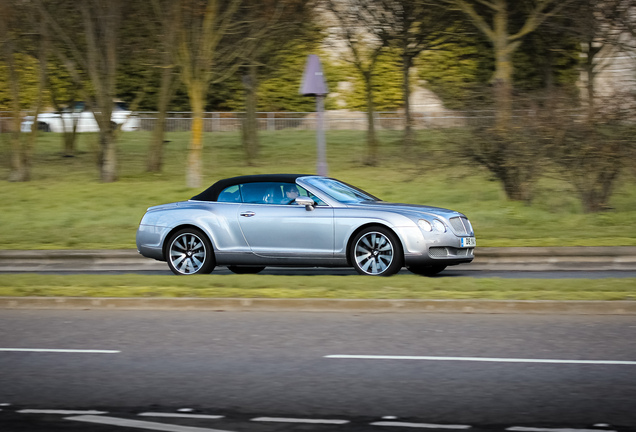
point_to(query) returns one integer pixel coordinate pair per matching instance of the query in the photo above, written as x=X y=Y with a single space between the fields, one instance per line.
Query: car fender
x=213 y=219
x=348 y=222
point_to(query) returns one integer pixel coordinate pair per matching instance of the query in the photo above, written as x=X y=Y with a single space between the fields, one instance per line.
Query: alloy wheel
x=187 y=253
x=373 y=253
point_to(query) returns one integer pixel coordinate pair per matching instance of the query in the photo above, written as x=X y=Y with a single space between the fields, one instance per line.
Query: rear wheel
x=190 y=252
x=245 y=269
x=426 y=270
x=376 y=251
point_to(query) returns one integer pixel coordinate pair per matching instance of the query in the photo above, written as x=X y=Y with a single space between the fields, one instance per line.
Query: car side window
x=300 y=192
x=230 y=194
x=268 y=193
x=261 y=193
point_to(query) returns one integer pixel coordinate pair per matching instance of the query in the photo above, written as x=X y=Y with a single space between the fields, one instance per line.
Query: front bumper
x=434 y=248
x=441 y=255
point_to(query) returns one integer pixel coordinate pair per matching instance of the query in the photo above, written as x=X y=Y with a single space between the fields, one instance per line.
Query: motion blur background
x=518 y=113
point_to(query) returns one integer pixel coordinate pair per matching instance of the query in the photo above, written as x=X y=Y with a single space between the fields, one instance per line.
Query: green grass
x=66 y=207
x=340 y=287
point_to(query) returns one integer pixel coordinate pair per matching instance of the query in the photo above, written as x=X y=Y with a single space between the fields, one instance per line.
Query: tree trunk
x=108 y=155
x=20 y=162
x=250 y=123
x=502 y=80
x=194 y=166
x=69 y=139
x=409 y=137
x=372 y=141
x=155 y=152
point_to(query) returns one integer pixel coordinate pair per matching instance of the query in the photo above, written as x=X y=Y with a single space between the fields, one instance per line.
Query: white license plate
x=468 y=242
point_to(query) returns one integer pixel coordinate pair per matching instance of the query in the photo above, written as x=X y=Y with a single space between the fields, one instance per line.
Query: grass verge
x=329 y=287
x=66 y=207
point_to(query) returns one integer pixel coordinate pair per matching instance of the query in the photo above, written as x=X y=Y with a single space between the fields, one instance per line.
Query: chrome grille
x=438 y=252
x=441 y=252
x=461 y=226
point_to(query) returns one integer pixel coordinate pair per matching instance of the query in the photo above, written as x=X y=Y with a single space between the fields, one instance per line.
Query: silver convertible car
x=250 y=222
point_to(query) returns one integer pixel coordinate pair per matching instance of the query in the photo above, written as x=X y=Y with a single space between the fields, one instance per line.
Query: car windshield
x=340 y=191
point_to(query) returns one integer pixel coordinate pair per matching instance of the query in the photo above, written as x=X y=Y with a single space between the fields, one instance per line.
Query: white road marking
x=531 y=429
x=62 y=412
x=177 y=415
x=480 y=359
x=299 y=420
x=89 y=351
x=420 y=425
x=113 y=421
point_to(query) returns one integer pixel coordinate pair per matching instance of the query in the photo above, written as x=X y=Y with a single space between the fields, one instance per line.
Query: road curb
x=486 y=258
x=326 y=305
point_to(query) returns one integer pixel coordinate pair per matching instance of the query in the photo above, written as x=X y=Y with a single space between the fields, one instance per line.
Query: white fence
x=272 y=121
x=334 y=120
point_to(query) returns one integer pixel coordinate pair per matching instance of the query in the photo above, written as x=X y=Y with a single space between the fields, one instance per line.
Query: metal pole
x=321 y=166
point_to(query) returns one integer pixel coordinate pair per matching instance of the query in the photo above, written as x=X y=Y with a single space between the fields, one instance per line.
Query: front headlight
x=425 y=225
x=436 y=225
x=439 y=225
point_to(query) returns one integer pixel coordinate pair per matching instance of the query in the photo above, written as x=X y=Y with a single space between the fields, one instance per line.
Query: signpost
x=314 y=84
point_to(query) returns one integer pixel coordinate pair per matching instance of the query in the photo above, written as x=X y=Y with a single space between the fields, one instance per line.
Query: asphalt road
x=495 y=372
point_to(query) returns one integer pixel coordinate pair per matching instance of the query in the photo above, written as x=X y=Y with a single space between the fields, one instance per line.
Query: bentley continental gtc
x=250 y=222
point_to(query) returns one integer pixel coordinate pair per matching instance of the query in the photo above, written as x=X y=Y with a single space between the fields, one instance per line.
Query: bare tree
x=411 y=27
x=492 y=18
x=514 y=156
x=163 y=11
x=604 y=29
x=594 y=152
x=200 y=27
x=96 y=58
x=21 y=34
x=19 y=166
x=274 y=24
x=358 y=28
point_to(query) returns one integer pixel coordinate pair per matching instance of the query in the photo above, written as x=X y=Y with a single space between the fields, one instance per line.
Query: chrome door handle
x=248 y=214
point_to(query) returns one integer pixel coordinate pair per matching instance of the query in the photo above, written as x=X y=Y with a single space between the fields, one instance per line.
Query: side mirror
x=307 y=202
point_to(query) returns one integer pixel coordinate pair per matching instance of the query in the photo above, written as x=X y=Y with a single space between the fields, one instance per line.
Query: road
x=458 y=371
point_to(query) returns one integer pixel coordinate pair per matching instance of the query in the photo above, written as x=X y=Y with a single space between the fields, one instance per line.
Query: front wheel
x=190 y=252
x=376 y=251
x=426 y=270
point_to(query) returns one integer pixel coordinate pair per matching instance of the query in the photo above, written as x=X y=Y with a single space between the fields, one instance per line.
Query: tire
x=376 y=251
x=44 y=127
x=190 y=252
x=426 y=270
x=245 y=270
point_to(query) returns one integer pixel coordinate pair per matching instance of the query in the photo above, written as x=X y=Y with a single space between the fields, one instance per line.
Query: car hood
x=414 y=210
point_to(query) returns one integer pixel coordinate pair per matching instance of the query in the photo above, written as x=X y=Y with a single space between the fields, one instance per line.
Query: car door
x=287 y=230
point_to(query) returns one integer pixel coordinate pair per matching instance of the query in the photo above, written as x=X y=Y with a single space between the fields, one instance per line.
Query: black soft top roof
x=212 y=193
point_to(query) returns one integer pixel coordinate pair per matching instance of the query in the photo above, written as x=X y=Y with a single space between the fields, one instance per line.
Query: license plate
x=468 y=242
